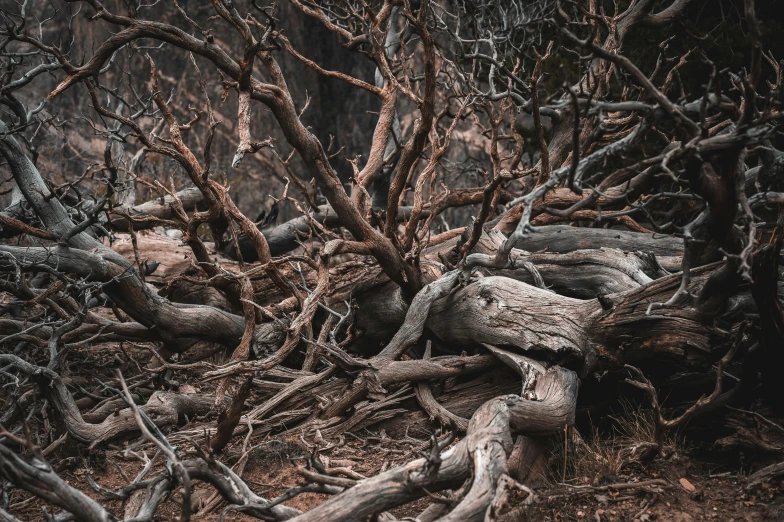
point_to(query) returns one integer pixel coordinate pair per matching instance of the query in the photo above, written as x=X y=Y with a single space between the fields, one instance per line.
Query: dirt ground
x=701 y=477
x=718 y=497
x=682 y=488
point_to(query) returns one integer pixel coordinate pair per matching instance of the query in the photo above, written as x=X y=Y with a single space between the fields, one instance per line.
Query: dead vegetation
x=609 y=313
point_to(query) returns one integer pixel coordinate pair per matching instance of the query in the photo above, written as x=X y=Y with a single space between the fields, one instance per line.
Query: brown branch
x=545 y=153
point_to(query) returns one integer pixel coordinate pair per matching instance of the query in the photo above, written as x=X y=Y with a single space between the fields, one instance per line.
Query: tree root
x=164 y=408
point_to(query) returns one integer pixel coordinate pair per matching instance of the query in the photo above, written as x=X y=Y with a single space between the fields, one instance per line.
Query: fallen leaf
x=688 y=486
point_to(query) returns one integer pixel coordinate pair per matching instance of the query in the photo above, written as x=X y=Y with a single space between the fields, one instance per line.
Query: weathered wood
x=563 y=239
x=554 y=306
x=462 y=401
x=482 y=453
x=667 y=339
x=587 y=273
x=508 y=313
x=163 y=408
x=151 y=213
x=431 y=406
x=37 y=476
x=174 y=257
x=527 y=462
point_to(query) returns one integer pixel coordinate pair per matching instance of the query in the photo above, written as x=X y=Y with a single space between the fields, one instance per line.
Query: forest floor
x=702 y=477
x=716 y=496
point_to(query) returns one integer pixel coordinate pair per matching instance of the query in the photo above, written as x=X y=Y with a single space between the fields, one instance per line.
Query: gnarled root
x=482 y=454
x=164 y=408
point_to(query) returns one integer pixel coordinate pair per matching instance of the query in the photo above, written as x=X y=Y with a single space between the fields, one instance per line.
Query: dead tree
x=630 y=242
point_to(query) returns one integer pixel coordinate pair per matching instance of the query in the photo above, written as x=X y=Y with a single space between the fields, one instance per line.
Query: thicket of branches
x=437 y=254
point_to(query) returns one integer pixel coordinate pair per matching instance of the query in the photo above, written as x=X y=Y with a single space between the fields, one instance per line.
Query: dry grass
x=603 y=456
